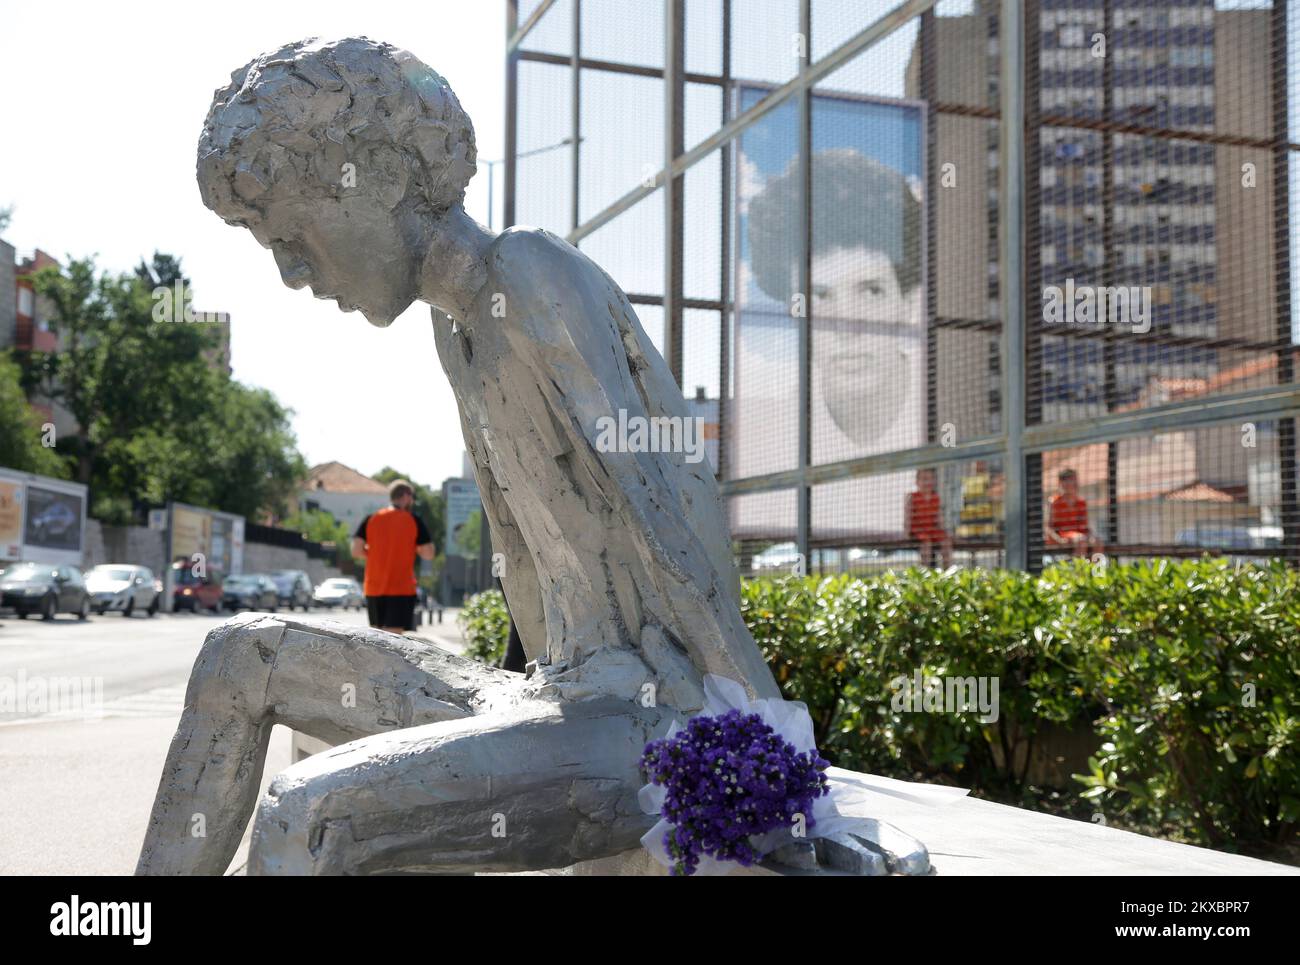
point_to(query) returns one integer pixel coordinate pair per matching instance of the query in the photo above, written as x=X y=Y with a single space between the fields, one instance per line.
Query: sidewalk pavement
x=76 y=793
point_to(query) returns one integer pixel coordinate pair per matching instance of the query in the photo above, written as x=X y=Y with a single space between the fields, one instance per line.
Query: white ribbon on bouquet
x=791 y=720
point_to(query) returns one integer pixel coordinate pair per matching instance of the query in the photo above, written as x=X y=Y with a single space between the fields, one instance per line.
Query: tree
x=321 y=527
x=162 y=271
x=468 y=535
x=254 y=463
x=22 y=444
x=157 y=421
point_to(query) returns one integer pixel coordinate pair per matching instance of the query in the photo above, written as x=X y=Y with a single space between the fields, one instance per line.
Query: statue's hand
x=869 y=847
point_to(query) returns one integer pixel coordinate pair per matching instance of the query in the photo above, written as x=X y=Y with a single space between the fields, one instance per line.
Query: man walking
x=389 y=541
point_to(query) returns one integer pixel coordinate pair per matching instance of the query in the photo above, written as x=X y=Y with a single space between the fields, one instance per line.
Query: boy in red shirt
x=921 y=519
x=1067 y=519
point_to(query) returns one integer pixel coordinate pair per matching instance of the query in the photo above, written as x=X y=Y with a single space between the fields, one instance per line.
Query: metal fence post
x=674 y=210
x=726 y=316
x=1011 y=279
x=512 y=111
x=804 y=319
x=575 y=105
x=1289 y=511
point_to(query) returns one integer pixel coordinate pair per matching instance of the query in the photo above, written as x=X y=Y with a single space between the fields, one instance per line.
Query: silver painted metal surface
x=349 y=161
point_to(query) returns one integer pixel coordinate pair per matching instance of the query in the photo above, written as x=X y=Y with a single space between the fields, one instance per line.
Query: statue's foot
x=870 y=847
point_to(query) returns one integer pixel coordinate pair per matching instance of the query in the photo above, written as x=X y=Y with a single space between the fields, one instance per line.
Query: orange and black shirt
x=391 y=536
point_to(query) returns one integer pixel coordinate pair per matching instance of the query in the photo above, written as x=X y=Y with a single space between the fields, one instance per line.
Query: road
x=86 y=713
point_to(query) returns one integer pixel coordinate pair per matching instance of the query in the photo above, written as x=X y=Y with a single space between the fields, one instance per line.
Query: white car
x=122 y=587
x=781 y=556
x=341 y=591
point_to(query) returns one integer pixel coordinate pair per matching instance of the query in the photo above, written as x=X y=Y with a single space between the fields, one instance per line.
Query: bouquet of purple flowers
x=727 y=779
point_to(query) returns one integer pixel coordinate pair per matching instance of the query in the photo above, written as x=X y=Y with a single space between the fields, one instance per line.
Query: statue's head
x=339 y=157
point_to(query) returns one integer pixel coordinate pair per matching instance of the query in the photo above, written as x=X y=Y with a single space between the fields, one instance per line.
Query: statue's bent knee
x=233 y=667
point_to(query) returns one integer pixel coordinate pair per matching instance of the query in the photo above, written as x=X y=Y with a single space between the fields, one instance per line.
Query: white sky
x=104 y=105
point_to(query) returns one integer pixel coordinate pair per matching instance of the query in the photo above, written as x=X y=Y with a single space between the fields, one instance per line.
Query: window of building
x=1070 y=36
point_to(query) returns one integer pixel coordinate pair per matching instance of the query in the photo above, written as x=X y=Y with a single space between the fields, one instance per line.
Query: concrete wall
x=141 y=546
x=1246 y=295
x=960 y=273
x=137 y=545
x=261 y=558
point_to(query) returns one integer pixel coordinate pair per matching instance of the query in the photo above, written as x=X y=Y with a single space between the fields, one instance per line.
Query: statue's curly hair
x=855 y=201
x=299 y=114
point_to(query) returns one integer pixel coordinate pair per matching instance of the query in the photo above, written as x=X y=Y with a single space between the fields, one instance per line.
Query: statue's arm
x=516 y=570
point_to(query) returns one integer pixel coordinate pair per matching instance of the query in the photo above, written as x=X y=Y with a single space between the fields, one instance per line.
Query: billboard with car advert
x=41 y=519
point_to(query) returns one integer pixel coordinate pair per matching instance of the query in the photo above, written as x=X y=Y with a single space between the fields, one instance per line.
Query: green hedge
x=1188 y=674
x=485 y=623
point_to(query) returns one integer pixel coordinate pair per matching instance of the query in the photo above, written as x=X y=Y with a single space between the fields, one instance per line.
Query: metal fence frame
x=1022 y=440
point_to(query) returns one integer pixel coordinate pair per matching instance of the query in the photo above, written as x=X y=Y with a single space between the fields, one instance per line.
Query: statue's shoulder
x=524 y=240
x=548 y=289
x=534 y=258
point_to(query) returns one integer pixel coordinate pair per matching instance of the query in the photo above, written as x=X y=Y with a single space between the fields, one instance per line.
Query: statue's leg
x=540 y=786
x=329 y=680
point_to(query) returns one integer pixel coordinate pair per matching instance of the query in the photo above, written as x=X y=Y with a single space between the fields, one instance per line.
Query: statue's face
x=351 y=249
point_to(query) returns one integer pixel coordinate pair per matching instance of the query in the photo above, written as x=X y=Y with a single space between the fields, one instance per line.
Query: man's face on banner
x=866 y=335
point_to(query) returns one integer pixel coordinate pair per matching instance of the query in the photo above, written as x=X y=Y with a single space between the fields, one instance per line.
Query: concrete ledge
x=303 y=746
x=974 y=837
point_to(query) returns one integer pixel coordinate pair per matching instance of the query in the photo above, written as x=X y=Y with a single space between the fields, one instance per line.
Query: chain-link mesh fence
x=826 y=275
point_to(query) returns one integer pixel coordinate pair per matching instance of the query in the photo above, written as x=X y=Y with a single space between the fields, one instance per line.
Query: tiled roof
x=334 y=477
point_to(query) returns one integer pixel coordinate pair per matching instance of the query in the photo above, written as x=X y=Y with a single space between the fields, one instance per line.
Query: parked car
x=44 y=588
x=293 y=587
x=122 y=587
x=250 y=591
x=340 y=591
x=781 y=556
x=53 y=521
x=1228 y=536
x=192 y=591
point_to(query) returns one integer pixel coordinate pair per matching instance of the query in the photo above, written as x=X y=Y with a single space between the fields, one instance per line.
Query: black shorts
x=391 y=611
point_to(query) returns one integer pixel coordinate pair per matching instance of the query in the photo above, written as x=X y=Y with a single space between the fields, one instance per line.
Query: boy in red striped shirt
x=1067 y=520
x=922 y=519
